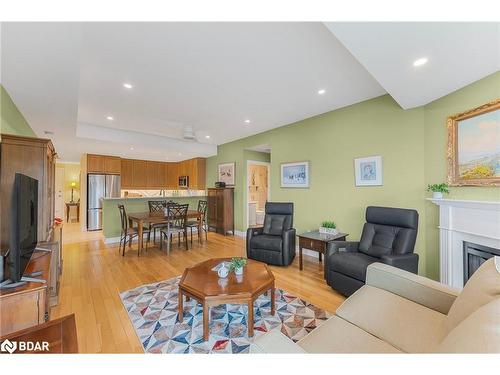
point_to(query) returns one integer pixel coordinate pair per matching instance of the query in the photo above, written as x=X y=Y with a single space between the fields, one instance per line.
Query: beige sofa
x=397 y=311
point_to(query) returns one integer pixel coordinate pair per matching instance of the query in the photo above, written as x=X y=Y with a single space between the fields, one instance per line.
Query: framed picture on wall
x=226 y=173
x=295 y=175
x=368 y=171
x=474 y=146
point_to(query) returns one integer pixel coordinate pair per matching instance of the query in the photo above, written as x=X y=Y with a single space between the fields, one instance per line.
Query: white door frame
x=56 y=199
x=255 y=162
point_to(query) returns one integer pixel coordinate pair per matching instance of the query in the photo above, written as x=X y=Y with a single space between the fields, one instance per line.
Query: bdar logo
x=8 y=346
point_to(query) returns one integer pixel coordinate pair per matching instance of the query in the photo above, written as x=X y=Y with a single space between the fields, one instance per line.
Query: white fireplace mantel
x=459 y=221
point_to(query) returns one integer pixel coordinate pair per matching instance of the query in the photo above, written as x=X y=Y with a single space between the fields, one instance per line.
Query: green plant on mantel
x=237 y=262
x=329 y=224
x=439 y=188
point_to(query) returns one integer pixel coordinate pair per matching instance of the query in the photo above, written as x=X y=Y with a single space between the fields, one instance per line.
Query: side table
x=317 y=242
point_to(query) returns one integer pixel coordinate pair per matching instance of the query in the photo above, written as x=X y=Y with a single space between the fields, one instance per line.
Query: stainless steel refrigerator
x=99 y=186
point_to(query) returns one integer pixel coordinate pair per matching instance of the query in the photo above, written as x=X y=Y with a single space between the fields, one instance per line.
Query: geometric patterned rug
x=153 y=311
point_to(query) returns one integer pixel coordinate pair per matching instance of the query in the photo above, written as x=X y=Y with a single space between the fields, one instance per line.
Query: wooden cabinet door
x=112 y=165
x=197 y=174
x=161 y=175
x=183 y=168
x=173 y=176
x=95 y=163
x=127 y=173
x=140 y=174
x=220 y=209
x=212 y=208
x=155 y=175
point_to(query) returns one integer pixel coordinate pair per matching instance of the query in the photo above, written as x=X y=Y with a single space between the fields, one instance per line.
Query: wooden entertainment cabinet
x=29 y=305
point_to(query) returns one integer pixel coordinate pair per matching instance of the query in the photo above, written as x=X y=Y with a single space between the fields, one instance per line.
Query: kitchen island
x=111 y=225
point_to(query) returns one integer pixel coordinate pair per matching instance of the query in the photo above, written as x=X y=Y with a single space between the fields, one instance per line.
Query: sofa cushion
x=274 y=342
x=482 y=287
x=477 y=333
x=339 y=336
x=268 y=242
x=351 y=264
x=274 y=224
x=404 y=324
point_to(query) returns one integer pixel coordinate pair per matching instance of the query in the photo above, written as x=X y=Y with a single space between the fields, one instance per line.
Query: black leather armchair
x=388 y=237
x=274 y=243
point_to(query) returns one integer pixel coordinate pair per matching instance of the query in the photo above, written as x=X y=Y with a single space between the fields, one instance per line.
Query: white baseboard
x=240 y=234
x=110 y=240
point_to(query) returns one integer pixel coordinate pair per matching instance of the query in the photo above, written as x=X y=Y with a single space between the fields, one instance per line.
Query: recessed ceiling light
x=207 y=137
x=110 y=118
x=179 y=154
x=127 y=86
x=321 y=92
x=421 y=61
x=131 y=148
x=247 y=121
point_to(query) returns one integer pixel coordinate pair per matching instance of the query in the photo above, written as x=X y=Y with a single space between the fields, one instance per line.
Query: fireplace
x=474 y=256
x=475 y=222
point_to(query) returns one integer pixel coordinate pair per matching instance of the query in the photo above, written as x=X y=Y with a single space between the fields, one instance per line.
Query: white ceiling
x=67 y=77
x=458 y=54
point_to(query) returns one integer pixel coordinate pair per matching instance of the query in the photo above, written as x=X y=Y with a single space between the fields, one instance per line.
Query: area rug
x=153 y=310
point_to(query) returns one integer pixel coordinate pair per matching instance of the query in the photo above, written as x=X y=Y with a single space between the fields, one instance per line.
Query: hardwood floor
x=95 y=273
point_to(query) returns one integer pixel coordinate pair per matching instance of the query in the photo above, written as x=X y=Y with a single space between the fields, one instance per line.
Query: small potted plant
x=328 y=227
x=438 y=190
x=237 y=265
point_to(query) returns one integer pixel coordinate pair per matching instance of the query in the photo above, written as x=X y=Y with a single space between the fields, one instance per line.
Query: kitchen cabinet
x=172 y=176
x=196 y=173
x=183 y=168
x=155 y=175
x=103 y=164
x=112 y=165
x=95 y=163
x=140 y=175
x=127 y=173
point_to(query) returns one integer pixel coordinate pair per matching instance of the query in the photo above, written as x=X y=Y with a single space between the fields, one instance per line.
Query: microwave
x=183 y=181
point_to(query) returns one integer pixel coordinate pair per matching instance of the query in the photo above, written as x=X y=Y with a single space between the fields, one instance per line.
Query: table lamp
x=73 y=185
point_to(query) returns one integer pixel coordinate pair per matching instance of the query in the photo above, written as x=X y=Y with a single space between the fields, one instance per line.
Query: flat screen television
x=24 y=227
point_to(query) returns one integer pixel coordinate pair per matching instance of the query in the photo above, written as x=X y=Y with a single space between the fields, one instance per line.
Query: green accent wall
x=412 y=144
x=436 y=113
x=12 y=120
x=235 y=152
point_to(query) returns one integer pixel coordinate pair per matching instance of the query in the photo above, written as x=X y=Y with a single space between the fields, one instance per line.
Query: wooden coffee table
x=204 y=285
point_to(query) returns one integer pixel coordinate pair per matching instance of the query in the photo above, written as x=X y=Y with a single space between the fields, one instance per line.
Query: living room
x=259 y=187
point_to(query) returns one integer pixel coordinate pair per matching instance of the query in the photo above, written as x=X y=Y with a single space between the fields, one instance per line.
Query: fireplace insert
x=474 y=256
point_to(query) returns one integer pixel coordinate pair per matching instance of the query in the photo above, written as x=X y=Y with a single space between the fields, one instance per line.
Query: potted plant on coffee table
x=237 y=265
x=438 y=190
x=329 y=227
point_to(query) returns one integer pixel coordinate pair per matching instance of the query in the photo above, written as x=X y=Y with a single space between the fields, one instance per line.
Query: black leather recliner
x=388 y=237
x=274 y=243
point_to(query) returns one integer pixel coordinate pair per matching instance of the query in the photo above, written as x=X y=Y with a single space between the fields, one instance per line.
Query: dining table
x=148 y=218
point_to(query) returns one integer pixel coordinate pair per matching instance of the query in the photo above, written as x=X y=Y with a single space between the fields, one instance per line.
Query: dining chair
x=159 y=207
x=177 y=223
x=202 y=209
x=129 y=232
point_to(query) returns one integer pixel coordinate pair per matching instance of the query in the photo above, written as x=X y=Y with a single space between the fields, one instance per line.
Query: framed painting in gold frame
x=473 y=152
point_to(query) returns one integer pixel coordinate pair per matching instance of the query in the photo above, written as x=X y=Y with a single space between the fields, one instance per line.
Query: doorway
x=258 y=191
